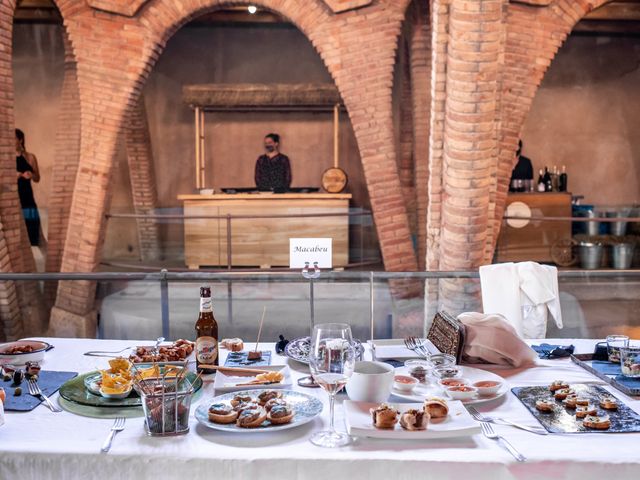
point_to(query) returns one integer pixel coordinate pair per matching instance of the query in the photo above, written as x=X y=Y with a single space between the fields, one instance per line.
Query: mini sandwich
x=280 y=414
x=436 y=407
x=384 y=416
x=597 y=422
x=414 y=420
x=222 y=413
x=251 y=418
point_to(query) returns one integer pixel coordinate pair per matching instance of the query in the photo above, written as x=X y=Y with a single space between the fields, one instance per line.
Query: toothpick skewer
x=264 y=311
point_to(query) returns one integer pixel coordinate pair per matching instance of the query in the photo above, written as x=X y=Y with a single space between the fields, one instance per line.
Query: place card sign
x=310 y=250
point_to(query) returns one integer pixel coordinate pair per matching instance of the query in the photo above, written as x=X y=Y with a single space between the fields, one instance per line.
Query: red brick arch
x=115 y=55
x=21 y=311
x=545 y=29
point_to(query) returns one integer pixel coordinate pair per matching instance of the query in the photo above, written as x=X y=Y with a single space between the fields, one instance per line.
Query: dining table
x=41 y=444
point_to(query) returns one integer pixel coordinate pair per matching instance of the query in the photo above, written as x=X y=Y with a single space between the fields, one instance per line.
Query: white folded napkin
x=524 y=293
x=492 y=339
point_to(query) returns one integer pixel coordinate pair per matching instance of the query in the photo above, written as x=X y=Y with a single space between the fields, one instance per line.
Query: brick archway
x=523 y=71
x=21 y=308
x=115 y=55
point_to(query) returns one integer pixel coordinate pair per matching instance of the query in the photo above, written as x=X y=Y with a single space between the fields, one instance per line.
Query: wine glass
x=331 y=358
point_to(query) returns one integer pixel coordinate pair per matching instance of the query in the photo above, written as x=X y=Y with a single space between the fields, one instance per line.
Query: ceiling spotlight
x=252 y=9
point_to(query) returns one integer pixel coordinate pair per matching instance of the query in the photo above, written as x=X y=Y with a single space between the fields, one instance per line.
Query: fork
x=416 y=345
x=118 y=426
x=488 y=431
x=34 y=389
x=100 y=353
x=483 y=418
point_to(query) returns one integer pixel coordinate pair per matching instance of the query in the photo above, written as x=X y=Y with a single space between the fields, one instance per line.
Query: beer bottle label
x=206 y=350
x=205 y=304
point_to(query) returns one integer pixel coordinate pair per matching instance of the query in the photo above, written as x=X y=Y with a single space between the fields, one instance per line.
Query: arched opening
x=36 y=49
x=583 y=117
x=231 y=46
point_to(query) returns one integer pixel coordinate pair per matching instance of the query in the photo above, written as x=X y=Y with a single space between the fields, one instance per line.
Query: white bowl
x=468 y=393
x=116 y=396
x=370 y=382
x=452 y=382
x=487 y=390
x=406 y=386
x=19 y=359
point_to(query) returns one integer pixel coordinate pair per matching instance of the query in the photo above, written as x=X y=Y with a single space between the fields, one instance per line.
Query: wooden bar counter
x=534 y=240
x=261 y=241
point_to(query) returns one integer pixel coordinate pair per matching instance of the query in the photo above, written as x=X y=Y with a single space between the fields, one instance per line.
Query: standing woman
x=27 y=167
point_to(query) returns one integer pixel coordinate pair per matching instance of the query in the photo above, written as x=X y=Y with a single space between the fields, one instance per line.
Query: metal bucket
x=592 y=228
x=622 y=255
x=590 y=255
x=618 y=228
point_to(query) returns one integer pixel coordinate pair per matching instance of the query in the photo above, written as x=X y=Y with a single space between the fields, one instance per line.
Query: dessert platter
x=258 y=411
x=433 y=418
x=563 y=407
x=468 y=384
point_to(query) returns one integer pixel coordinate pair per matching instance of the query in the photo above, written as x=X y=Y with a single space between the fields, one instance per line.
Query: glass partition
x=376 y=304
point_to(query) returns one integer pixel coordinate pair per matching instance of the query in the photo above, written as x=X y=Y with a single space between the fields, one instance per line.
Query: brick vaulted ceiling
x=487 y=58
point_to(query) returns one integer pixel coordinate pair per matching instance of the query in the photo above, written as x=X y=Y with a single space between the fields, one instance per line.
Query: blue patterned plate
x=298 y=349
x=306 y=408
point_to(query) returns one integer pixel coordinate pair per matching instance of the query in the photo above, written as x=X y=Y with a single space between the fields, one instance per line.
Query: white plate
x=433 y=389
x=305 y=406
x=457 y=424
x=397 y=350
x=223 y=381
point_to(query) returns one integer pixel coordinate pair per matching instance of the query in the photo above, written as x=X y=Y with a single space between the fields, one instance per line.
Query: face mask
x=269 y=148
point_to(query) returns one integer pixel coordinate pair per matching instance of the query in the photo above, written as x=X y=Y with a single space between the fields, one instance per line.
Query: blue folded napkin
x=547 y=350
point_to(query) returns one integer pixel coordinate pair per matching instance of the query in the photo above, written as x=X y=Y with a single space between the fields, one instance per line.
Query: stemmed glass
x=331 y=358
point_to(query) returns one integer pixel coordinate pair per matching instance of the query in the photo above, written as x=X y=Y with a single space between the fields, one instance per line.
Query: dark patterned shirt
x=273 y=173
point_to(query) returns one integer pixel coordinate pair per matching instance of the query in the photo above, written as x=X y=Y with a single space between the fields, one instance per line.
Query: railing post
x=372 y=323
x=228 y=241
x=312 y=309
x=164 y=304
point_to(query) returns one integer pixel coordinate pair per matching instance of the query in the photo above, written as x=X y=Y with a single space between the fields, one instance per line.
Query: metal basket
x=167 y=412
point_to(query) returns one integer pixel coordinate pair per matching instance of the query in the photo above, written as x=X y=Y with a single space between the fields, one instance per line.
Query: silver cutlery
x=34 y=389
x=118 y=426
x=416 y=345
x=99 y=353
x=483 y=418
x=488 y=431
x=156 y=349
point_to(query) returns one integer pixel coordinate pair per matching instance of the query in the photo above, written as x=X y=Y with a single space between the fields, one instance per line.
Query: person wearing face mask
x=273 y=170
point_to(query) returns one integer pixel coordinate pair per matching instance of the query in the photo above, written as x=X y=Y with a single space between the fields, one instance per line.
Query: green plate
x=75 y=390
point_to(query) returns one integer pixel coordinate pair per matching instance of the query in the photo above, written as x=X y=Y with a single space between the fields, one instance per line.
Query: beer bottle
x=206 y=332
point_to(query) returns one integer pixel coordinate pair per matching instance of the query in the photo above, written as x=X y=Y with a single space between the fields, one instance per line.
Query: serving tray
x=563 y=420
x=609 y=372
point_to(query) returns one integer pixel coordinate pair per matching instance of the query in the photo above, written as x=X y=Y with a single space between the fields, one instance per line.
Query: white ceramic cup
x=370 y=382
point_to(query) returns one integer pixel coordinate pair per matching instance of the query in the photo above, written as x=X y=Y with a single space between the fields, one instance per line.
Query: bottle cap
x=205 y=291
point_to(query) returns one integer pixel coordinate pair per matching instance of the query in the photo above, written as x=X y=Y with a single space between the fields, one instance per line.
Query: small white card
x=310 y=250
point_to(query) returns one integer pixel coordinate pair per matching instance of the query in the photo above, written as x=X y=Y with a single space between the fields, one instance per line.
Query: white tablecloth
x=44 y=445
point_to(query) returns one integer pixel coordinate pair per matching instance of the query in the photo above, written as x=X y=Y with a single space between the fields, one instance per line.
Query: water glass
x=614 y=343
x=331 y=360
x=630 y=361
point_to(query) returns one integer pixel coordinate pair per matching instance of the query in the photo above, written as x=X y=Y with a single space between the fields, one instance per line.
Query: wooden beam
x=616 y=11
x=602 y=27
